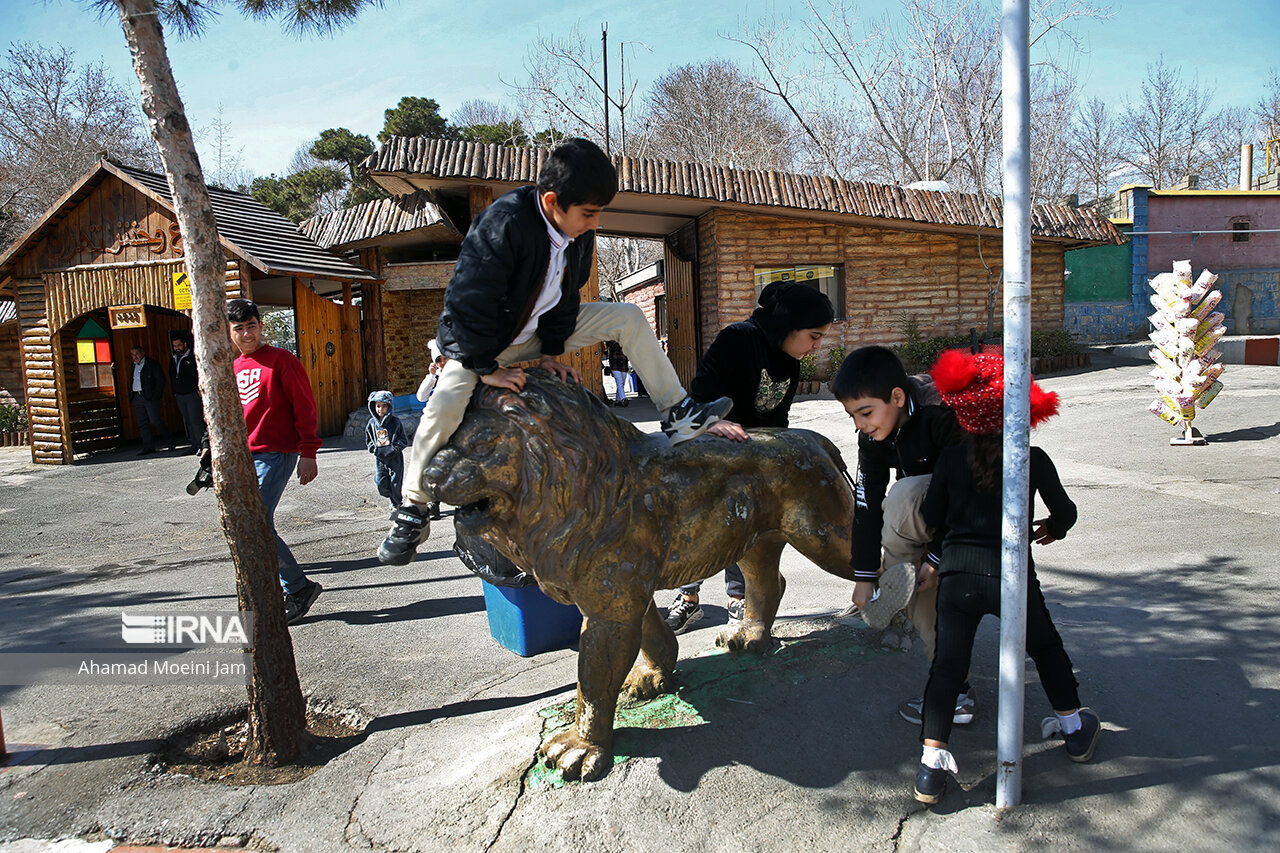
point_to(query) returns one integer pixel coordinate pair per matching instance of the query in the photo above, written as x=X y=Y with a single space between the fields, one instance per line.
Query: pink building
x=1233 y=233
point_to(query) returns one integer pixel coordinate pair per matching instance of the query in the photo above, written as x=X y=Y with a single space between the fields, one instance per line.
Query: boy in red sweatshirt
x=280 y=413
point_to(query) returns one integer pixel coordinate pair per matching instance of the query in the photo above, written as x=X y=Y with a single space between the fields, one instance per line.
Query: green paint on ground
x=802 y=650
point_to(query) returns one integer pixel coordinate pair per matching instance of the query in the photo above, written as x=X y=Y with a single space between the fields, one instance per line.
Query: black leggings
x=963 y=599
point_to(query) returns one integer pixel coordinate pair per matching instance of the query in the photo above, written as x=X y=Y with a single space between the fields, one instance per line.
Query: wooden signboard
x=128 y=316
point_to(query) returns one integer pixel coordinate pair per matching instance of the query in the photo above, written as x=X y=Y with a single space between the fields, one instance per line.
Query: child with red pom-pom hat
x=964 y=506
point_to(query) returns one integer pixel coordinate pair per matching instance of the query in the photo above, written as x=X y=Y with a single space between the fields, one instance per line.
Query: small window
x=93 y=356
x=829 y=279
x=660 y=315
x=1239 y=232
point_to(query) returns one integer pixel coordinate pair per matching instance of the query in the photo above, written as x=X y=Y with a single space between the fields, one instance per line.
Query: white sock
x=1070 y=722
x=961 y=698
x=938 y=759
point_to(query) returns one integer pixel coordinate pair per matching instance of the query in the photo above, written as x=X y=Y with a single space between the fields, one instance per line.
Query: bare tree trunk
x=277 y=714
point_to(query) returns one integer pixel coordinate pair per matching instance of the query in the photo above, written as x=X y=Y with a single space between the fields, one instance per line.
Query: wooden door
x=330 y=357
x=683 y=345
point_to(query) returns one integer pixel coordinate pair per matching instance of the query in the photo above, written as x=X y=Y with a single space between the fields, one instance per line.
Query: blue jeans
x=274 y=471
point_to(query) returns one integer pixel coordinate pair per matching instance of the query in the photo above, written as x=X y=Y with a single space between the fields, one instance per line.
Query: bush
x=1048 y=343
x=13 y=418
x=918 y=354
x=835 y=358
x=808 y=367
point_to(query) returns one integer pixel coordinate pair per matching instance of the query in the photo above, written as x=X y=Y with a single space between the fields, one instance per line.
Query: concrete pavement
x=1164 y=594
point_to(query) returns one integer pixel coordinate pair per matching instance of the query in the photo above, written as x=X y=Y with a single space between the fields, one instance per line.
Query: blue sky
x=278 y=92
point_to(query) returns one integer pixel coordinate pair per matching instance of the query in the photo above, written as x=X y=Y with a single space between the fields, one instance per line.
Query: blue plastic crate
x=526 y=621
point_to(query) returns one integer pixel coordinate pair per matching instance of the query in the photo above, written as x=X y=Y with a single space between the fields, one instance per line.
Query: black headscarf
x=789 y=305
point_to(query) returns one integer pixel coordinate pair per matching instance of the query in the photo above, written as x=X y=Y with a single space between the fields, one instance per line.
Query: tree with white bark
x=713 y=112
x=57 y=117
x=1165 y=132
x=924 y=84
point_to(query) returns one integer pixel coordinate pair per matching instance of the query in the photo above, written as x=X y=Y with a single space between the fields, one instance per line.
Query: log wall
x=72 y=293
x=44 y=403
x=939 y=279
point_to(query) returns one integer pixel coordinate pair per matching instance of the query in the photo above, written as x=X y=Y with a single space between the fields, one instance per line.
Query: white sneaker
x=897 y=584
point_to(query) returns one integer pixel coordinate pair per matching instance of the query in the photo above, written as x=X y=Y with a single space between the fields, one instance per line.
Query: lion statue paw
x=747 y=637
x=645 y=682
x=575 y=757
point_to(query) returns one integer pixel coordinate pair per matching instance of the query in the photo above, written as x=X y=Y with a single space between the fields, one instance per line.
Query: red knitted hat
x=973 y=386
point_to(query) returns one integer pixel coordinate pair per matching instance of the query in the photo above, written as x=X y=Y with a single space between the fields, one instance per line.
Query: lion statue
x=603 y=515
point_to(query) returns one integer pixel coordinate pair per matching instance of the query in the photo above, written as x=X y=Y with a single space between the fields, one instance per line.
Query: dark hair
x=241 y=310
x=578 y=172
x=986 y=460
x=869 y=372
x=789 y=305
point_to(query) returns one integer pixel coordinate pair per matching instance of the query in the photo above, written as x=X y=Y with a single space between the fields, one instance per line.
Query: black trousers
x=963 y=600
x=192 y=416
x=150 y=415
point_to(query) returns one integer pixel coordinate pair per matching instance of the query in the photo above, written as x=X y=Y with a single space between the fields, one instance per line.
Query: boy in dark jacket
x=903 y=427
x=384 y=437
x=514 y=297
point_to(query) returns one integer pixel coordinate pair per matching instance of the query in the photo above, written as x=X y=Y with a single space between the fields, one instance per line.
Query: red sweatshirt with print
x=279 y=408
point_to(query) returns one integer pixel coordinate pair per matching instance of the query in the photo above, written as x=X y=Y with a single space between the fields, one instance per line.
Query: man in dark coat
x=145 y=387
x=182 y=378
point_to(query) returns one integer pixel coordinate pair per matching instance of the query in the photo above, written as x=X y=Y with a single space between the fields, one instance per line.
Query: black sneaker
x=910 y=710
x=409 y=527
x=296 y=604
x=1081 y=743
x=683 y=614
x=689 y=419
x=931 y=782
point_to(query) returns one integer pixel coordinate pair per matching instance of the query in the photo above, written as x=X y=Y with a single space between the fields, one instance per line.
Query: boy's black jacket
x=912 y=451
x=500 y=270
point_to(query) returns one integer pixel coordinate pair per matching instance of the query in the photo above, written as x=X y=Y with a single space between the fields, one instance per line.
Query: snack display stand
x=1185 y=336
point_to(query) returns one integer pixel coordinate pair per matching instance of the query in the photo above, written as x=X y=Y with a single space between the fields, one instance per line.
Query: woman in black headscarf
x=755 y=363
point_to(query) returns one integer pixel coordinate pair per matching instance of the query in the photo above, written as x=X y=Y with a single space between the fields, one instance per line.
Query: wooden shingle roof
x=370 y=223
x=400 y=158
x=259 y=234
x=246 y=227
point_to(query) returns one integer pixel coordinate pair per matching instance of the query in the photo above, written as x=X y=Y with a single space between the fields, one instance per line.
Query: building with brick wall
x=884 y=254
x=1233 y=233
x=645 y=288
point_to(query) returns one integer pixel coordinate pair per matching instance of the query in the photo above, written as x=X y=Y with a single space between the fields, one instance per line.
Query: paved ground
x=1164 y=593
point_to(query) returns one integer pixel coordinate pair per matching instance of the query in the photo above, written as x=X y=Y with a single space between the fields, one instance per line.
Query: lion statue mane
x=603 y=515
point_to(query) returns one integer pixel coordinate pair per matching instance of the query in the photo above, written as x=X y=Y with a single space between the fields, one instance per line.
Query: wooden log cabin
x=880 y=252
x=102 y=271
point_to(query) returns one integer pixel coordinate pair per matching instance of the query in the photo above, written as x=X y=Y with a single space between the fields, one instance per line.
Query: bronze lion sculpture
x=603 y=515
